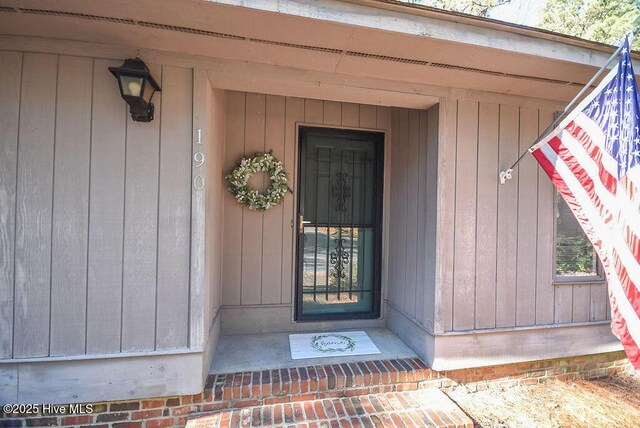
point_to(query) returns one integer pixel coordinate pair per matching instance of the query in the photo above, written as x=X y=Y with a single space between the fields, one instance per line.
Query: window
x=576 y=258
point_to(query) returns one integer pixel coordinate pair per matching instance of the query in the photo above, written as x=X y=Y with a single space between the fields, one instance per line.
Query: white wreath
x=251 y=198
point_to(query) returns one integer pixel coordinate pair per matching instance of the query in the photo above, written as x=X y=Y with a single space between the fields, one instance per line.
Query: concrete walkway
x=421 y=408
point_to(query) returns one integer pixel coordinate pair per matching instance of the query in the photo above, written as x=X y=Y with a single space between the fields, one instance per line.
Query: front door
x=339 y=224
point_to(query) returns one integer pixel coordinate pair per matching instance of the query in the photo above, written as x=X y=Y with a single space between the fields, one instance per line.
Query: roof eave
x=494 y=24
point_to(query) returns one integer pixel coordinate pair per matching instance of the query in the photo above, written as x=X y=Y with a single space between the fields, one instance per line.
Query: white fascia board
x=441 y=26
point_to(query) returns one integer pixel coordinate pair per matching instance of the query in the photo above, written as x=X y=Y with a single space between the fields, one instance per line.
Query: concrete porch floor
x=250 y=352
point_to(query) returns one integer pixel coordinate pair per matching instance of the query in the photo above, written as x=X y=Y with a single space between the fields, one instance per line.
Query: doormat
x=341 y=344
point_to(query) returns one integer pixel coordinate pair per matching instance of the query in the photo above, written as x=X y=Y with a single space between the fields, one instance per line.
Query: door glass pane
x=343 y=282
x=338 y=203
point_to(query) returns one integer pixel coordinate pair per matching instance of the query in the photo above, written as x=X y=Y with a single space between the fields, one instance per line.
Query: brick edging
x=316 y=382
x=240 y=390
x=532 y=372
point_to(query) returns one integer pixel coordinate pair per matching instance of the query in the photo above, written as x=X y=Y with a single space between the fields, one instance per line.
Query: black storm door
x=339 y=224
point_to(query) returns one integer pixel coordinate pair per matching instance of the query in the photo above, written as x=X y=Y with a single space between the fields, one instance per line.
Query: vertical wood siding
x=206 y=215
x=34 y=206
x=258 y=261
x=545 y=236
x=215 y=211
x=272 y=241
x=174 y=209
x=411 y=277
x=10 y=76
x=106 y=213
x=498 y=272
x=464 y=235
x=141 y=230
x=70 y=206
x=430 y=221
x=487 y=215
x=507 y=236
x=447 y=135
x=94 y=210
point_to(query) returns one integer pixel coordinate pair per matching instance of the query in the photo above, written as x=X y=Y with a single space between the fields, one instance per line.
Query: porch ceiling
x=355 y=45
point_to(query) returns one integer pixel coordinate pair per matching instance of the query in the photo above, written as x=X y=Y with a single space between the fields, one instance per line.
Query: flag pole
x=506 y=174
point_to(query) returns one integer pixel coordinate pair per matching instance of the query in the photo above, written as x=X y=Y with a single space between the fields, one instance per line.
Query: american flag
x=593 y=159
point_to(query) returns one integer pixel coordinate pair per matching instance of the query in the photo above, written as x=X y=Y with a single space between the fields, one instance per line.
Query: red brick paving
x=421 y=408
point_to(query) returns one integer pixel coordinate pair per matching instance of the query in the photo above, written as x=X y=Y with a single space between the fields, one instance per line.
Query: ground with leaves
x=612 y=402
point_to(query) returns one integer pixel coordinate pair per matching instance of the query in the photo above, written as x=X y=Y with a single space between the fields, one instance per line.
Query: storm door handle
x=301 y=223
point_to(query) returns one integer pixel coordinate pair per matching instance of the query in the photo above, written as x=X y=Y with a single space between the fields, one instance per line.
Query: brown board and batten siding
x=411 y=274
x=10 y=76
x=258 y=257
x=498 y=271
x=94 y=208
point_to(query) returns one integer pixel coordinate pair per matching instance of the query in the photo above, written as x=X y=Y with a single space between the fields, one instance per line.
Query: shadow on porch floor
x=249 y=352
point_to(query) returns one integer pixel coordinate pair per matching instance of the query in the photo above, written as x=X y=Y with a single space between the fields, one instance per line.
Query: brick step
x=420 y=408
x=318 y=382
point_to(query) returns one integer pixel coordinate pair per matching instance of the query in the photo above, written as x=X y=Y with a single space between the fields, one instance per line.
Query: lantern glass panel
x=149 y=90
x=131 y=85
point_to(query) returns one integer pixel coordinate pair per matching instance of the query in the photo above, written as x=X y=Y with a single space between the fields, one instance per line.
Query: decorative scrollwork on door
x=341 y=191
x=339 y=259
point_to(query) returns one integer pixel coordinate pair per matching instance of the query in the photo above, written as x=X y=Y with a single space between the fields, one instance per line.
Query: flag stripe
x=621 y=246
x=578 y=201
x=630 y=290
x=583 y=140
x=594 y=188
x=598 y=138
x=586 y=170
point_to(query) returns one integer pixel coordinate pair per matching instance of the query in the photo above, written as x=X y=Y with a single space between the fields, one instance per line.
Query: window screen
x=575 y=256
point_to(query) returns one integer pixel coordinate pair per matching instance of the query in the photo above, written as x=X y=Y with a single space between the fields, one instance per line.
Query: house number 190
x=198 y=161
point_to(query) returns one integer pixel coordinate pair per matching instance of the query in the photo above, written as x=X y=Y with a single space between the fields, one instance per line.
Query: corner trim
x=415 y=336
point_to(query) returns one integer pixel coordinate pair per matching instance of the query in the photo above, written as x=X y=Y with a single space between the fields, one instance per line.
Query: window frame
x=571 y=279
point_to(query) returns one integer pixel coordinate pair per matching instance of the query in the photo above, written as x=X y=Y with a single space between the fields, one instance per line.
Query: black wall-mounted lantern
x=137 y=87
